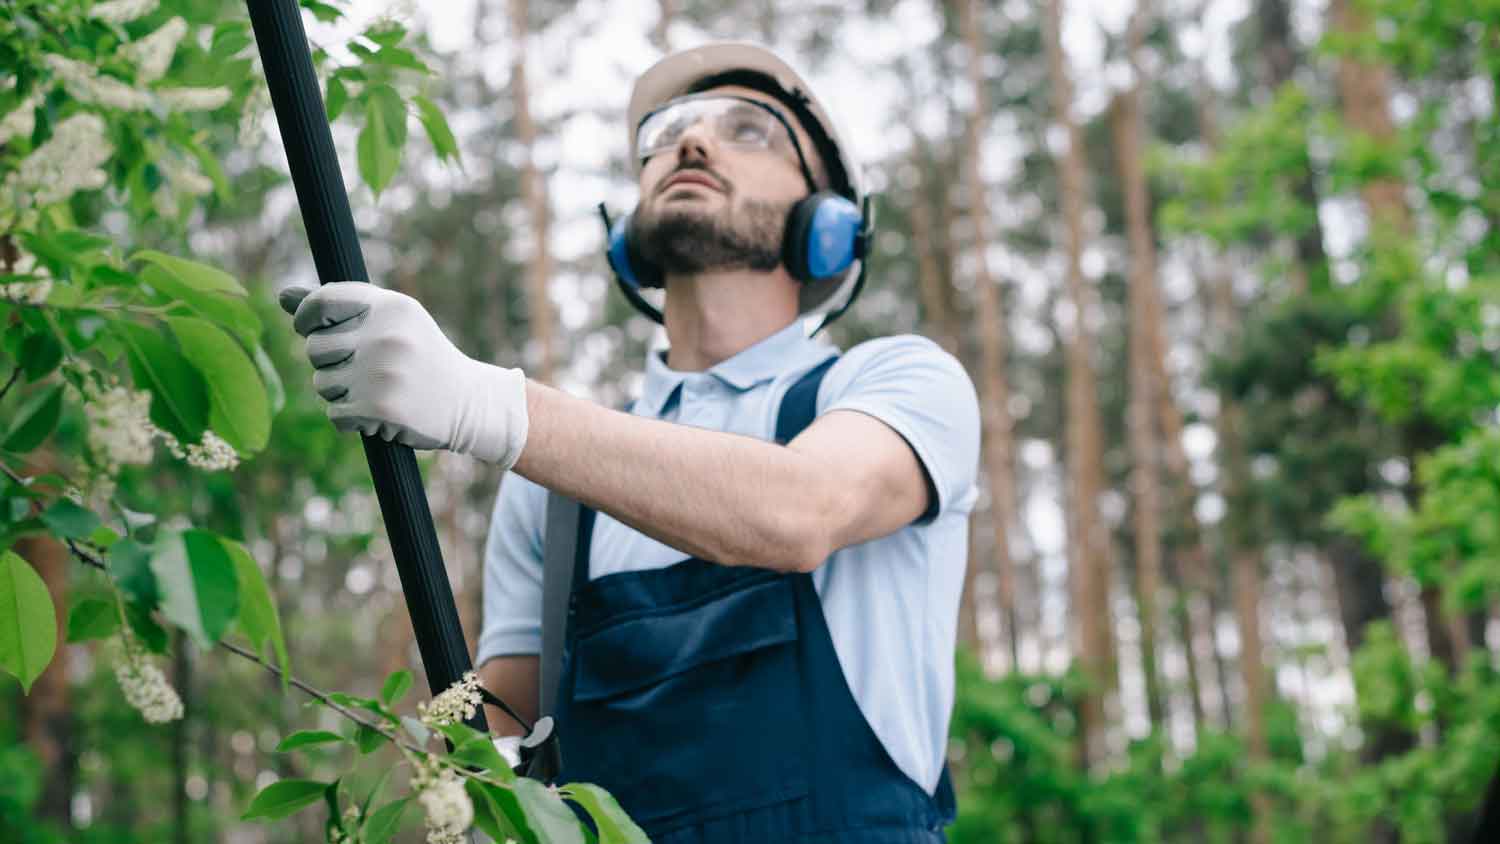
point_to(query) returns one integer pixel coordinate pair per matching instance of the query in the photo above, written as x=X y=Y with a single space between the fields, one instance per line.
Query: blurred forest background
x=1225 y=274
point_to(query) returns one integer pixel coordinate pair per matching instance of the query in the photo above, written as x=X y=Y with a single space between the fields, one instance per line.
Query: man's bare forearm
x=728 y=498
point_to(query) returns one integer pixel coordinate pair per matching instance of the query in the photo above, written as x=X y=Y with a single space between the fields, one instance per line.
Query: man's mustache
x=719 y=181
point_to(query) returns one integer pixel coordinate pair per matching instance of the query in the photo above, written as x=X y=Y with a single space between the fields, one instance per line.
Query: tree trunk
x=994 y=387
x=1087 y=534
x=534 y=189
x=1240 y=541
x=1145 y=452
x=1364 y=96
x=1275 y=25
x=938 y=320
x=47 y=723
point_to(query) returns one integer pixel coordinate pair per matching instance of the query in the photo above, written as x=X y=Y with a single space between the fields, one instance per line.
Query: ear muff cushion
x=822 y=236
x=626 y=258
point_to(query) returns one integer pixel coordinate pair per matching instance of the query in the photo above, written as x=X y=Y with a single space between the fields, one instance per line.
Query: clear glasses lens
x=733 y=122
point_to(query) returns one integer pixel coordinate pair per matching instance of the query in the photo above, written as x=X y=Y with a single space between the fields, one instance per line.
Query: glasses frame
x=790 y=133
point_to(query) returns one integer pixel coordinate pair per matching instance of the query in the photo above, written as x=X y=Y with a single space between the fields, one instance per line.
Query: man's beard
x=686 y=241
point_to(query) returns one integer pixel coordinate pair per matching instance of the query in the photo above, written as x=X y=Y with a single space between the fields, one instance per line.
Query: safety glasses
x=737 y=122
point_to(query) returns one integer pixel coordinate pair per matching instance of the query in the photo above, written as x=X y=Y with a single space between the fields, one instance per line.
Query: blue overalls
x=710 y=702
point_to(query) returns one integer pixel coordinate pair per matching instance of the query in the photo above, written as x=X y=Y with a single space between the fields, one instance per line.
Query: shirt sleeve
x=923 y=393
x=513 y=572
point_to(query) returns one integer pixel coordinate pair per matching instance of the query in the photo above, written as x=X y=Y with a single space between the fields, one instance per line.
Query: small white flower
x=145 y=687
x=21 y=122
x=193 y=99
x=184 y=177
x=122 y=11
x=210 y=454
x=120 y=429
x=449 y=810
x=32 y=292
x=152 y=54
x=70 y=161
x=85 y=84
x=456 y=703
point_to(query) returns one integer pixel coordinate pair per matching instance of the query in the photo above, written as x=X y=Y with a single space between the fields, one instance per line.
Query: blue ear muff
x=824 y=235
x=625 y=259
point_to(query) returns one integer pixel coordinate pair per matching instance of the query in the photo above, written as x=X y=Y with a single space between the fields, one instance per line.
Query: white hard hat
x=678 y=73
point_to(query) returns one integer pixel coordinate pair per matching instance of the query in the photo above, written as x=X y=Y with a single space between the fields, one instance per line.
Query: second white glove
x=387 y=370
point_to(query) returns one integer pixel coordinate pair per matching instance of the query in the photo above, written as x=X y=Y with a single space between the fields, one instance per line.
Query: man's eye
x=747 y=131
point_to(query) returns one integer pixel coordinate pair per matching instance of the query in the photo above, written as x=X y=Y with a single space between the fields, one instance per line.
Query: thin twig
x=8 y=384
x=90 y=559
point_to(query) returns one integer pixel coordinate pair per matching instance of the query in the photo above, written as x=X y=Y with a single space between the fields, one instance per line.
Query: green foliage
x=28 y=622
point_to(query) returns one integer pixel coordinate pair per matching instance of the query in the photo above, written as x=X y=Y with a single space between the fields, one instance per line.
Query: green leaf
x=104 y=537
x=40 y=354
x=239 y=411
x=283 y=798
x=92 y=618
x=370 y=705
x=70 y=521
x=369 y=740
x=130 y=565
x=393 y=56
x=547 y=813
x=615 y=827
x=378 y=158
x=304 y=738
x=395 y=686
x=480 y=750
x=392 y=112
x=324 y=12
x=338 y=97
x=179 y=396
x=36 y=419
x=195 y=275
x=436 y=125
x=152 y=635
x=258 y=617
x=225 y=310
x=498 y=813
x=383 y=822
x=28 y=622
x=272 y=379
x=199 y=586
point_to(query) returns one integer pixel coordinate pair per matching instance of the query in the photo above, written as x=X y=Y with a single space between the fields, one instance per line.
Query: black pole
x=335 y=249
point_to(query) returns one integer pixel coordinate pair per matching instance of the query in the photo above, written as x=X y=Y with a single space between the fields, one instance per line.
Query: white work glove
x=387 y=370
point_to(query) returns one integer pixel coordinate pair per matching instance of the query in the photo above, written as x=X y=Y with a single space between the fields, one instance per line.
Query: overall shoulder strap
x=559 y=551
x=800 y=404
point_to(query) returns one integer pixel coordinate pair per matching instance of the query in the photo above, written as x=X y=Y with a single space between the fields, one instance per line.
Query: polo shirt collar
x=757 y=364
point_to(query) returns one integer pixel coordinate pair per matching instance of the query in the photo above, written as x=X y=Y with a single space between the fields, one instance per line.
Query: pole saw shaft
x=336 y=253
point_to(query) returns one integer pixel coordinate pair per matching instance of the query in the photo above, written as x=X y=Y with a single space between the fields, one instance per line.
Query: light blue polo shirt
x=891 y=603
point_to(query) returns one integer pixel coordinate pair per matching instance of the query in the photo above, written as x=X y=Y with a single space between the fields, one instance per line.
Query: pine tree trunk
x=1089 y=570
x=994 y=388
x=1127 y=127
x=534 y=189
x=1281 y=55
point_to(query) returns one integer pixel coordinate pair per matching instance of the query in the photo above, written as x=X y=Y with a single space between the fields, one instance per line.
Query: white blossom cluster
x=193 y=99
x=122 y=11
x=211 y=454
x=152 y=55
x=70 y=161
x=120 y=429
x=145 y=687
x=21 y=122
x=449 y=810
x=86 y=85
x=456 y=703
x=182 y=178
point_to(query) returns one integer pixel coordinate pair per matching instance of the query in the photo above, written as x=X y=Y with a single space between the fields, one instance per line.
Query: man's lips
x=691 y=178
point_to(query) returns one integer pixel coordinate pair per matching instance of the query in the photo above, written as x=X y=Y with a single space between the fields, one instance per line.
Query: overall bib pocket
x=689 y=711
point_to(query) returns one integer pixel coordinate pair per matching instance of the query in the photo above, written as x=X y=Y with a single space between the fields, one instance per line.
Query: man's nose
x=696 y=141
